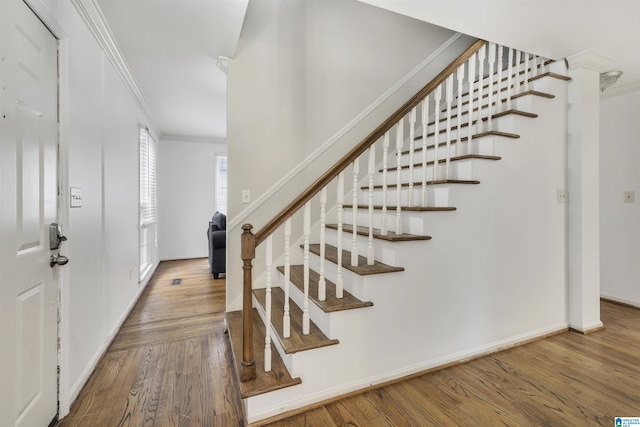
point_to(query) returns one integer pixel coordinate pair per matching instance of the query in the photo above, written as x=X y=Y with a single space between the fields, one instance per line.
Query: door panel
x=28 y=203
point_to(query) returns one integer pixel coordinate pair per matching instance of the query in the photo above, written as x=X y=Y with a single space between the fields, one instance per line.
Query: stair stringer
x=494 y=275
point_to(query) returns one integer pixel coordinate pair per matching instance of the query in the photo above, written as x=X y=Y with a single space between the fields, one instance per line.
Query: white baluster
x=425 y=125
x=481 y=58
x=436 y=132
x=448 y=100
x=535 y=68
x=286 y=318
x=339 y=282
x=500 y=85
x=412 y=126
x=492 y=60
x=354 y=237
x=307 y=231
x=372 y=167
x=472 y=76
x=509 y=77
x=460 y=75
x=516 y=84
x=526 y=71
x=385 y=159
x=322 y=284
x=399 y=145
x=267 y=338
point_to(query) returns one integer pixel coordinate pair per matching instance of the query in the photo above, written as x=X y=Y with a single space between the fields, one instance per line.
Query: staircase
x=379 y=260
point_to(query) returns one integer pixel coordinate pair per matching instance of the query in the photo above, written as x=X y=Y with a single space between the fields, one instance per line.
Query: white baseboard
x=620 y=300
x=93 y=363
x=403 y=372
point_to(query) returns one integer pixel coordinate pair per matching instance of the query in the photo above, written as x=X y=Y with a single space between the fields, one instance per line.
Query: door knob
x=58 y=260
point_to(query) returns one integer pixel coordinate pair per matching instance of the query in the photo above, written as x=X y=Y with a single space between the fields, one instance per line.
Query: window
x=147 y=240
x=221 y=183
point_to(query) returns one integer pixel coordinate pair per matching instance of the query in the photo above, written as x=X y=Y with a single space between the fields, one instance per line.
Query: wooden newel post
x=248 y=249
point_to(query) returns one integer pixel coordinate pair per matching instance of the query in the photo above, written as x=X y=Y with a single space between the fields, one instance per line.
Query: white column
x=584 y=185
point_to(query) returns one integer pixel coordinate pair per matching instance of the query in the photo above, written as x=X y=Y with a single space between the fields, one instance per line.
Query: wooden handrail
x=251 y=241
x=364 y=145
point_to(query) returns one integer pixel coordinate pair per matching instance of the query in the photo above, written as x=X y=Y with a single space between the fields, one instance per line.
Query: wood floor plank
x=567 y=379
x=169 y=364
x=188 y=380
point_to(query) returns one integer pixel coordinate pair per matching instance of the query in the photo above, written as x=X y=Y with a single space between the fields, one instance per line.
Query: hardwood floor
x=170 y=366
x=565 y=380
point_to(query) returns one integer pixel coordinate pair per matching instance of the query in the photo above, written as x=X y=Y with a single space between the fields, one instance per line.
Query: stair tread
x=391 y=236
x=419 y=183
x=331 y=303
x=533 y=92
x=297 y=341
x=484 y=119
x=453 y=159
x=514 y=96
x=466 y=138
x=552 y=75
x=331 y=254
x=408 y=208
x=264 y=382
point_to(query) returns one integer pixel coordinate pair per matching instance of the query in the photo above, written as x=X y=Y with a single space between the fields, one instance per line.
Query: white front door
x=28 y=192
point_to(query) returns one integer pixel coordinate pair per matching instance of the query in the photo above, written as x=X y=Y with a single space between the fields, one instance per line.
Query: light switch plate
x=75 y=197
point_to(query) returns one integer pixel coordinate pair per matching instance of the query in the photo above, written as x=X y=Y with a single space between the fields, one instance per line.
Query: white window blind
x=147 y=178
x=221 y=183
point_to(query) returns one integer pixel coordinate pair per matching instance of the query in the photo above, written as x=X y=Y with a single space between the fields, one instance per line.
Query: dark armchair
x=217 y=235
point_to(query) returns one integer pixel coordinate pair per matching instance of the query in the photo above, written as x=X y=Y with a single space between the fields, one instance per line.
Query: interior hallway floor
x=170 y=366
x=169 y=363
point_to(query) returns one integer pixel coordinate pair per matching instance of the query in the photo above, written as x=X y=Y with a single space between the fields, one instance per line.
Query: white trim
x=588 y=327
x=242 y=216
x=403 y=372
x=589 y=59
x=93 y=363
x=626 y=301
x=93 y=17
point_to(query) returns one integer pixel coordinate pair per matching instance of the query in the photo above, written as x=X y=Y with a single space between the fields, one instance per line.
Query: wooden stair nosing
x=465 y=139
x=331 y=304
x=419 y=183
x=362 y=269
x=390 y=237
x=494 y=116
x=453 y=159
x=519 y=72
x=264 y=382
x=297 y=341
x=503 y=79
x=408 y=208
x=503 y=100
x=552 y=75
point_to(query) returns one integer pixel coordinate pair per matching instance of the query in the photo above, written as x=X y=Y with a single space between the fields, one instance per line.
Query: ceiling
x=172 y=48
x=551 y=28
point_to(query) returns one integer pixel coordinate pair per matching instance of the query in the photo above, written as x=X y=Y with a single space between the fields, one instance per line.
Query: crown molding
x=223 y=64
x=589 y=59
x=95 y=20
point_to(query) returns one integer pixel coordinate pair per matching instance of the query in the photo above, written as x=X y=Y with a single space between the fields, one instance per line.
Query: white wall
x=99 y=145
x=303 y=71
x=186 y=196
x=619 y=221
